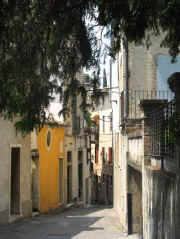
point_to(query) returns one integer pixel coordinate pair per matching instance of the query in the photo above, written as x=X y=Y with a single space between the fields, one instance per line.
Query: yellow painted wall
x=49 y=167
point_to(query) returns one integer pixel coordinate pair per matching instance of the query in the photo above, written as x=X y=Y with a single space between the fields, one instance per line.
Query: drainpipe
x=126 y=99
x=112 y=128
x=125 y=44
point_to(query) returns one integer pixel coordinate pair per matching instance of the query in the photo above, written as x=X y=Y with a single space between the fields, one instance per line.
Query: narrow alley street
x=76 y=223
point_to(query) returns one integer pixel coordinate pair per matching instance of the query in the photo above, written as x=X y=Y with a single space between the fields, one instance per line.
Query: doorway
x=80 y=175
x=134 y=200
x=69 y=177
x=15 y=181
x=129 y=200
x=61 y=180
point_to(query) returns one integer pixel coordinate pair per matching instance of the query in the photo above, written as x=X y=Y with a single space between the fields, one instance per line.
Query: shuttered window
x=96 y=156
x=110 y=155
x=103 y=154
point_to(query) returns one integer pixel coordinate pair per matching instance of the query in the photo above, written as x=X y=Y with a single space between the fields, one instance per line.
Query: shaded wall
x=161 y=205
x=135 y=190
x=35 y=185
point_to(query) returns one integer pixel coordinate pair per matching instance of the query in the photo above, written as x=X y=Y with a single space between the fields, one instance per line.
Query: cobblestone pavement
x=76 y=223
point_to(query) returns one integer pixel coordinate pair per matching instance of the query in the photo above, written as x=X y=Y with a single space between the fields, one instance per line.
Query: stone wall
x=135 y=189
x=143 y=65
x=135 y=150
x=161 y=206
x=120 y=183
x=142 y=76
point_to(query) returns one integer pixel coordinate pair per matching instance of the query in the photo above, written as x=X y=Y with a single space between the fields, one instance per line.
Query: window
x=110 y=155
x=15 y=181
x=103 y=154
x=69 y=157
x=110 y=121
x=110 y=180
x=96 y=156
x=103 y=123
x=48 y=139
x=103 y=100
x=106 y=156
x=122 y=101
x=78 y=124
x=60 y=180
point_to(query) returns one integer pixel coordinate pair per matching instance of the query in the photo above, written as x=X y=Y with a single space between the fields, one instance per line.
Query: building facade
x=101 y=151
x=77 y=152
x=52 y=167
x=140 y=179
x=48 y=169
x=15 y=174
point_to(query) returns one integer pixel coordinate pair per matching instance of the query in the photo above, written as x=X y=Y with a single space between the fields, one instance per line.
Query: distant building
x=77 y=153
x=101 y=150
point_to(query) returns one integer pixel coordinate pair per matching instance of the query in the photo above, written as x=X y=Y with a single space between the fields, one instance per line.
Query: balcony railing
x=130 y=101
x=162 y=122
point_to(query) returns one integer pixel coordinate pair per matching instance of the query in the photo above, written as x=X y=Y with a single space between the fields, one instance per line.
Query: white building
x=15 y=174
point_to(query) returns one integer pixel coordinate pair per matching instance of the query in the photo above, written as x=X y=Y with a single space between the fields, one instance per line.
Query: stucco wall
x=49 y=167
x=70 y=146
x=120 y=183
x=135 y=150
x=34 y=140
x=8 y=137
x=75 y=144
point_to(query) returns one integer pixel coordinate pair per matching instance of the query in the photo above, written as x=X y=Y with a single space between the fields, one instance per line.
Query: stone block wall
x=120 y=183
x=135 y=189
x=135 y=150
x=142 y=71
x=143 y=65
x=160 y=205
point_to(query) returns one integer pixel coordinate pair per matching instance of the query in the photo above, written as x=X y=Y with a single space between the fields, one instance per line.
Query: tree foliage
x=44 y=43
x=137 y=20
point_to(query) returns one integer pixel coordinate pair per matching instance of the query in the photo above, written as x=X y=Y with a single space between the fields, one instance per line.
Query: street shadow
x=77 y=221
x=66 y=225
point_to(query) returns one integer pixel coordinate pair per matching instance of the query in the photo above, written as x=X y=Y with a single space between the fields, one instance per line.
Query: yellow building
x=52 y=168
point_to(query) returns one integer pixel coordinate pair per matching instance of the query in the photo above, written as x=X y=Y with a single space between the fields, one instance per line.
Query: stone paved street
x=76 y=223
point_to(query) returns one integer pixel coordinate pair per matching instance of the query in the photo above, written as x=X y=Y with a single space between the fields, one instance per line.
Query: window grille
x=163 y=129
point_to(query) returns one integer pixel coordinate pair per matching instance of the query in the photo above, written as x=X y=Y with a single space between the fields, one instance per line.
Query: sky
x=164 y=69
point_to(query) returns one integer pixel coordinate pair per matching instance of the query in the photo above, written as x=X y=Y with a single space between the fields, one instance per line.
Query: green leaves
x=42 y=40
x=172 y=129
x=39 y=41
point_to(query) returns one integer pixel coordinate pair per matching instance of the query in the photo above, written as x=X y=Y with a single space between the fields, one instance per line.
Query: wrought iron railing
x=130 y=100
x=162 y=123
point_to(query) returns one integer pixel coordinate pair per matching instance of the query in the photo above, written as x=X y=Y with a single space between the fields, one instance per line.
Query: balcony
x=164 y=128
x=130 y=102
